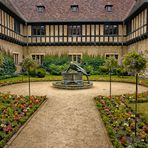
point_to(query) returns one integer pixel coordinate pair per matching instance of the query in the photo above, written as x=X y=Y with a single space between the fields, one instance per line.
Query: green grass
x=20 y=79
x=142 y=109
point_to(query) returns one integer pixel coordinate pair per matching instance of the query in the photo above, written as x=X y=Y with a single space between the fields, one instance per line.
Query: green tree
x=111 y=63
x=27 y=64
x=135 y=63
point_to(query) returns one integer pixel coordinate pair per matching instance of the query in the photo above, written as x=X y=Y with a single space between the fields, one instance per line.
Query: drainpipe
x=122 y=42
x=26 y=33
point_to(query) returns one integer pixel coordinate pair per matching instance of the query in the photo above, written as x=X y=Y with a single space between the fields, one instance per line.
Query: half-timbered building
x=74 y=27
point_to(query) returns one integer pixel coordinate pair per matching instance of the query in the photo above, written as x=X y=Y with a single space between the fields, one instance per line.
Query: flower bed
x=119 y=120
x=14 y=111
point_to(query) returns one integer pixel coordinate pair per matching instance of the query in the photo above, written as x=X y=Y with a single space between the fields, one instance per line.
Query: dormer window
x=109 y=7
x=74 y=8
x=40 y=8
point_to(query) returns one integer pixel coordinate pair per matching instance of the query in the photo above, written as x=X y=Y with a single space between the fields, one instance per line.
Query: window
x=15 y=57
x=129 y=27
x=38 y=58
x=74 y=30
x=40 y=8
x=109 y=8
x=111 y=30
x=75 y=57
x=16 y=26
x=74 y=8
x=38 y=30
x=111 y=55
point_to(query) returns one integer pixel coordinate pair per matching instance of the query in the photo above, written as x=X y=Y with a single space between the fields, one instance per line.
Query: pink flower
x=25 y=110
x=145 y=128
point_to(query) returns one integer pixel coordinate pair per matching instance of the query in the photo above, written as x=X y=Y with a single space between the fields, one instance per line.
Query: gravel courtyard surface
x=68 y=119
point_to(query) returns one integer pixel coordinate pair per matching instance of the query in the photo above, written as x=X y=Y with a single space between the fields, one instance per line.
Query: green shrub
x=40 y=72
x=89 y=69
x=57 y=69
x=120 y=71
x=103 y=70
x=8 y=66
x=55 y=60
x=92 y=63
x=32 y=72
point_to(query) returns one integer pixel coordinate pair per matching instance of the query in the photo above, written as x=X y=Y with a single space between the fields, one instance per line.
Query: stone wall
x=89 y=50
x=12 y=48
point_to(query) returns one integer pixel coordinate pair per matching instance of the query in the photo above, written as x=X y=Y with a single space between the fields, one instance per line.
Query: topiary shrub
x=40 y=72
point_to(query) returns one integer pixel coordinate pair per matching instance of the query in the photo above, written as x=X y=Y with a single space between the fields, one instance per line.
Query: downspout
x=26 y=33
x=122 y=52
x=27 y=38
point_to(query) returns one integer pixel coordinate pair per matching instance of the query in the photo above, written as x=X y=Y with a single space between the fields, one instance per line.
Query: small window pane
x=111 y=30
x=38 y=30
x=38 y=58
x=75 y=58
x=16 y=26
x=74 y=30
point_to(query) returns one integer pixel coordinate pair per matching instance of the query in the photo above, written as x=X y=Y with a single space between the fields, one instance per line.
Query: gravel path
x=69 y=118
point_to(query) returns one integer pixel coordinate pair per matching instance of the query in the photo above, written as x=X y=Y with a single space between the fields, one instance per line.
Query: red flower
x=7 y=128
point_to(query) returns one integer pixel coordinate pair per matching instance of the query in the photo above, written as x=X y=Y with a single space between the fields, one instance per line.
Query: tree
x=111 y=63
x=135 y=63
x=27 y=64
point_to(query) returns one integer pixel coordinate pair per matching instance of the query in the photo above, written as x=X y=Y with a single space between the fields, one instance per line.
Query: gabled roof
x=137 y=5
x=11 y=7
x=59 y=10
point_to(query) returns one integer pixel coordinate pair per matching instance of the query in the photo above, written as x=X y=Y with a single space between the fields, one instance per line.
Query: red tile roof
x=59 y=10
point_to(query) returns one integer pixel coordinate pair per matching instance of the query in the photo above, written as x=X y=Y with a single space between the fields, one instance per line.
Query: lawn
x=142 y=109
x=20 y=79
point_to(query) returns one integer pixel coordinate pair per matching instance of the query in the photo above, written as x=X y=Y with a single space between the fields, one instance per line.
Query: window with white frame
x=38 y=58
x=112 y=55
x=15 y=57
x=75 y=57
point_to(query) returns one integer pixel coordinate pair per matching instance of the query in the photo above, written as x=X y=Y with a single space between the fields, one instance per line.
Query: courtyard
x=68 y=118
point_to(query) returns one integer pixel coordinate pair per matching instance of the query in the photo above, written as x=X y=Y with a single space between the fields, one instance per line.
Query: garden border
x=24 y=125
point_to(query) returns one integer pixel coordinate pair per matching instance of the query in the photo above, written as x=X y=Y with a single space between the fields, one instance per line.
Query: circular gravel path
x=68 y=119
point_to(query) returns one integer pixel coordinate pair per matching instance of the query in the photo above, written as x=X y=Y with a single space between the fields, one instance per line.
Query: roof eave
x=138 y=10
x=74 y=21
x=3 y=7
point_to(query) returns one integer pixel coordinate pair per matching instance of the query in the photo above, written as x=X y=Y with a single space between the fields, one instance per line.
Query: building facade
x=74 y=27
